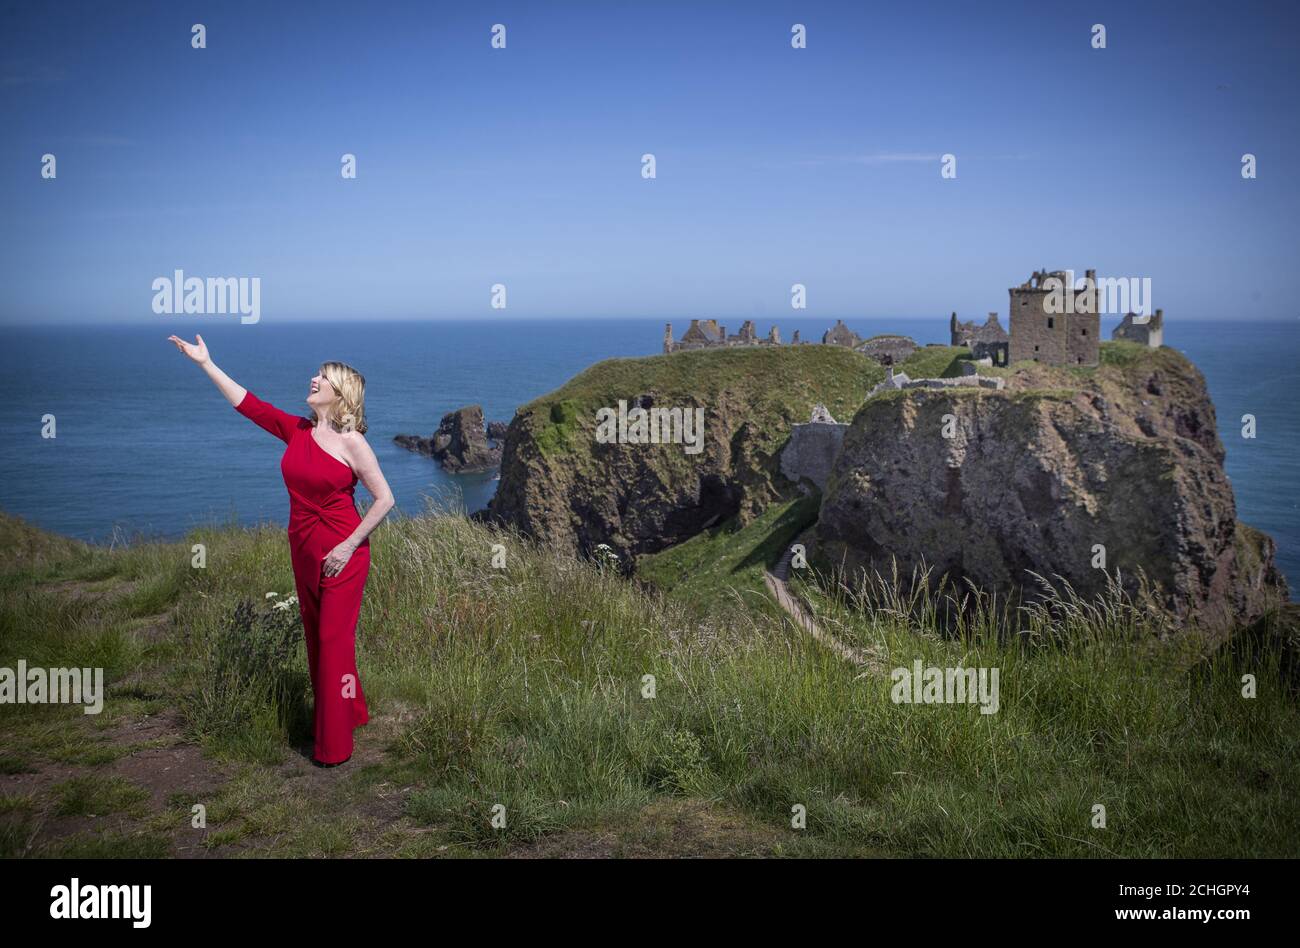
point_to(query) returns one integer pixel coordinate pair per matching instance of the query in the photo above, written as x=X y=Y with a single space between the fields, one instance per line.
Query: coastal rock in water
x=1043 y=475
x=460 y=444
x=414 y=443
x=496 y=431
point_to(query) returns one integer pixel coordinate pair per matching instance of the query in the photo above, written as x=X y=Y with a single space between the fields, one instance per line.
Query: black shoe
x=320 y=763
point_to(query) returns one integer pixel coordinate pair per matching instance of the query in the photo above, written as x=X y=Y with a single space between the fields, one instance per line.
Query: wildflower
x=284 y=604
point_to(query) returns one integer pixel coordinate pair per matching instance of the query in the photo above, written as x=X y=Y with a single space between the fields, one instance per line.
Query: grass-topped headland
x=774 y=380
x=561 y=482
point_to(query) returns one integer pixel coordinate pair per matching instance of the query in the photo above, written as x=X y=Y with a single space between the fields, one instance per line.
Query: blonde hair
x=349 y=409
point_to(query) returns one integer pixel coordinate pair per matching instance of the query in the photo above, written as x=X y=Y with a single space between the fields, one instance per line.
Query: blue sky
x=522 y=166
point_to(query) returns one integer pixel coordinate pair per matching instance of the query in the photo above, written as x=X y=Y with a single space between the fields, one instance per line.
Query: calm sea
x=146 y=445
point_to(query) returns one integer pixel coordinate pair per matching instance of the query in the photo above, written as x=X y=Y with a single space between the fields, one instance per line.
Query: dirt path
x=776 y=579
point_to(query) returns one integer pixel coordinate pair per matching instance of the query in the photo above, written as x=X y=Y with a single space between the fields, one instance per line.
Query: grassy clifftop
x=558 y=484
x=772 y=381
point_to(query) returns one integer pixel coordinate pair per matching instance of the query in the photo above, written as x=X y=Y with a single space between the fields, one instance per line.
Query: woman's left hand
x=337 y=558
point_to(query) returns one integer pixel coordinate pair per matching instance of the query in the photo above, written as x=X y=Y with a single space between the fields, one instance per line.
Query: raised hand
x=196 y=351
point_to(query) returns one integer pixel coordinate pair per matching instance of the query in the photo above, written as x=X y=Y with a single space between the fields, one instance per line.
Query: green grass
x=562 y=428
x=936 y=362
x=1120 y=352
x=96 y=796
x=726 y=382
x=729 y=560
x=526 y=688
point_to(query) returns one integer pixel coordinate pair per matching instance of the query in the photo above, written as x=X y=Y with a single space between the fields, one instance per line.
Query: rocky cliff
x=1046 y=475
x=562 y=485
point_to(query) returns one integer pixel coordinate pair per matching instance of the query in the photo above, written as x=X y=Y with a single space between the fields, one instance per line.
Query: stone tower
x=1053 y=322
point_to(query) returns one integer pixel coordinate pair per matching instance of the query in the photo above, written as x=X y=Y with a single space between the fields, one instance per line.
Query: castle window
x=1083 y=332
x=1035 y=348
x=1051 y=322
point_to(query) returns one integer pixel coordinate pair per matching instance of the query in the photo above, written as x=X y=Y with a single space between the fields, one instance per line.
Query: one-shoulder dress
x=322 y=514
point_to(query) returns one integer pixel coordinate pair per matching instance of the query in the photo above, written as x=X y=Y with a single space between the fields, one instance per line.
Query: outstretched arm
x=263 y=414
x=364 y=462
x=197 y=352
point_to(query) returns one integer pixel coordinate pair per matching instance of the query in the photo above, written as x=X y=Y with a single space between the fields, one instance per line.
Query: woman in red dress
x=329 y=541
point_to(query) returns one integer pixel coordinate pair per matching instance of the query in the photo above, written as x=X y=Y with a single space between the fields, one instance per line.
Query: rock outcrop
x=461 y=444
x=810 y=453
x=1046 y=475
x=561 y=485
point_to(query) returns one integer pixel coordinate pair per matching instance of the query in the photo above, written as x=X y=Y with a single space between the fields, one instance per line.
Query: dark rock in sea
x=496 y=430
x=414 y=443
x=460 y=444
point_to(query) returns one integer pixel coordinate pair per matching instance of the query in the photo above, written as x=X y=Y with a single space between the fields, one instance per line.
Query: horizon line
x=201 y=322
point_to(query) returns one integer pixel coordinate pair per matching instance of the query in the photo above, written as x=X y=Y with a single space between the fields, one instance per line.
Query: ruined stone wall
x=961 y=381
x=997 y=353
x=709 y=334
x=888 y=350
x=1083 y=343
x=1032 y=336
x=1148 y=332
x=811 y=451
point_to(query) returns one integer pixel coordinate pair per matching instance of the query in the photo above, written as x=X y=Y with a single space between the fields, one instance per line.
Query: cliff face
x=561 y=485
x=1035 y=477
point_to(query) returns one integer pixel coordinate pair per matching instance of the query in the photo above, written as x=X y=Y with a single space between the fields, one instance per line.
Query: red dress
x=322 y=514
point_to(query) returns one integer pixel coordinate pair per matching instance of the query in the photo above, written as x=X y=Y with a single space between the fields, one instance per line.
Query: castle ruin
x=1069 y=337
x=1050 y=321
x=707 y=333
x=989 y=341
x=888 y=349
x=841 y=335
x=1147 y=330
